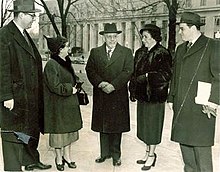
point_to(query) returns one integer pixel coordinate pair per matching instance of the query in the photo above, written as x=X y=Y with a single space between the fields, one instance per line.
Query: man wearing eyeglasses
x=21 y=99
x=109 y=68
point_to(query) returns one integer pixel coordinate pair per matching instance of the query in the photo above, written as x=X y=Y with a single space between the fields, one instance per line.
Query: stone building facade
x=129 y=16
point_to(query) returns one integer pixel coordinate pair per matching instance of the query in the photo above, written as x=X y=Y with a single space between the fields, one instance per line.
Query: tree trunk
x=64 y=27
x=172 y=32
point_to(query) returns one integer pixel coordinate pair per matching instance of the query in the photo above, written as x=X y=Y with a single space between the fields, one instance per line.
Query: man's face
x=65 y=51
x=27 y=20
x=185 y=31
x=111 y=39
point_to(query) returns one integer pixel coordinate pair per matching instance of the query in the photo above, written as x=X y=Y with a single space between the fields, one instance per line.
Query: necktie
x=26 y=37
x=189 y=45
x=109 y=54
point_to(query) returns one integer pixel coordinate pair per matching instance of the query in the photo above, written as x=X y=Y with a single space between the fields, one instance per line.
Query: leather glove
x=103 y=84
x=141 y=78
x=108 y=89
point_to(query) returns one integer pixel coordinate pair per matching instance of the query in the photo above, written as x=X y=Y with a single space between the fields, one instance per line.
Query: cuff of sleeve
x=212 y=105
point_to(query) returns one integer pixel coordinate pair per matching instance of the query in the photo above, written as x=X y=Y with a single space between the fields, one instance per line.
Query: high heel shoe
x=60 y=167
x=142 y=161
x=148 y=167
x=70 y=164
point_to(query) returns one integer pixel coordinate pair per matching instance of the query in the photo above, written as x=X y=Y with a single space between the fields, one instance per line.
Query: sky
x=35 y=26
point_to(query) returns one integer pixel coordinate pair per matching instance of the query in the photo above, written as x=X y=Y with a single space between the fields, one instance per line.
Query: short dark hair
x=190 y=25
x=153 y=30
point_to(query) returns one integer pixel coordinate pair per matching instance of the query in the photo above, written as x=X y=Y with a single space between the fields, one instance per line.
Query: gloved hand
x=103 y=84
x=209 y=111
x=74 y=90
x=141 y=78
x=108 y=89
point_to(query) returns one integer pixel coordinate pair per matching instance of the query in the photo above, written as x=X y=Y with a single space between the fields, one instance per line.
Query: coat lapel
x=197 y=46
x=20 y=39
x=104 y=58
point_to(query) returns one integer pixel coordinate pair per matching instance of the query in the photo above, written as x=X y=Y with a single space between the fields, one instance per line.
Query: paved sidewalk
x=86 y=149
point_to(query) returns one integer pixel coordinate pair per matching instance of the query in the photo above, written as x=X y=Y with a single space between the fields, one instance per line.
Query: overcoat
x=157 y=63
x=62 y=112
x=110 y=111
x=190 y=125
x=21 y=80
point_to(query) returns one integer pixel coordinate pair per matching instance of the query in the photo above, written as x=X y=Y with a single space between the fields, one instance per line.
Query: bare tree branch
x=51 y=17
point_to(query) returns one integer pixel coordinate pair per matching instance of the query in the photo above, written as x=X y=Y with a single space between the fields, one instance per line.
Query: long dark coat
x=190 y=125
x=110 y=111
x=21 y=80
x=62 y=112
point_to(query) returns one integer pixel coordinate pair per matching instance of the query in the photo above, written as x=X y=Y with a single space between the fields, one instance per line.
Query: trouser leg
x=189 y=158
x=12 y=155
x=115 y=145
x=104 y=144
x=31 y=154
x=197 y=158
x=204 y=158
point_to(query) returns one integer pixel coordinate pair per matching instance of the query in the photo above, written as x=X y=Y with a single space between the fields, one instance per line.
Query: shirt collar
x=112 y=49
x=194 y=40
x=19 y=28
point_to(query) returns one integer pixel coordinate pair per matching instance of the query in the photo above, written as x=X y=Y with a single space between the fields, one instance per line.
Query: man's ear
x=21 y=15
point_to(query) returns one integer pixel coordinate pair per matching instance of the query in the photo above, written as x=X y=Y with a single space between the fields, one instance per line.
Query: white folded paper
x=203 y=93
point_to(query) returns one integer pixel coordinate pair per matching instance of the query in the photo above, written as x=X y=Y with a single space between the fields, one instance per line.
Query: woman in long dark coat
x=62 y=112
x=149 y=85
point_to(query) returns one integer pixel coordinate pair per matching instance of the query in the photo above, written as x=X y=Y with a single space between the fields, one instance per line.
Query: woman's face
x=147 y=38
x=64 y=51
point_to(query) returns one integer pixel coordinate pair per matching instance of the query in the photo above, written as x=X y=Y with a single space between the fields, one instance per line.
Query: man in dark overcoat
x=197 y=64
x=109 y=68
x=21 y=91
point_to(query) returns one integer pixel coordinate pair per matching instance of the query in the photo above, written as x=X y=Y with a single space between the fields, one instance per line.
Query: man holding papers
x=194 y=94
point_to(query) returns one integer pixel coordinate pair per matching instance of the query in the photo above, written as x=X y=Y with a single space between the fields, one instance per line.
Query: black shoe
x=141 y=161
x=60 y=167
x=144 y=168
x=70 y=164
x=39 y=166
x=102 y=159
x=117 y=162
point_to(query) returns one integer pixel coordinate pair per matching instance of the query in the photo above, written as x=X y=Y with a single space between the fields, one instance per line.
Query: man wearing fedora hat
x=109 y=68
x=197 y=63
x=21 y=91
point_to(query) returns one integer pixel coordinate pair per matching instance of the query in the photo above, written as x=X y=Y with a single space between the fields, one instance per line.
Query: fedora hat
x=110 y=28
x=191 y=18
x=25 y=6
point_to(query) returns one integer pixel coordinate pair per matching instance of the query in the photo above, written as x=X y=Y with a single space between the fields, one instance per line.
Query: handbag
x=82 y=97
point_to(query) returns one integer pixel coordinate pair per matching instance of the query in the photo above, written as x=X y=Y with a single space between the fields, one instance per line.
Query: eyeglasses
x=111 y=36
x=32 y=15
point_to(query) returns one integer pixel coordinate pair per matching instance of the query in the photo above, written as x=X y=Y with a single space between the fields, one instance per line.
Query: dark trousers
x=197 y=158
x=17 y=154
x=12 y=155
x=110 y=144
x=31 y=154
